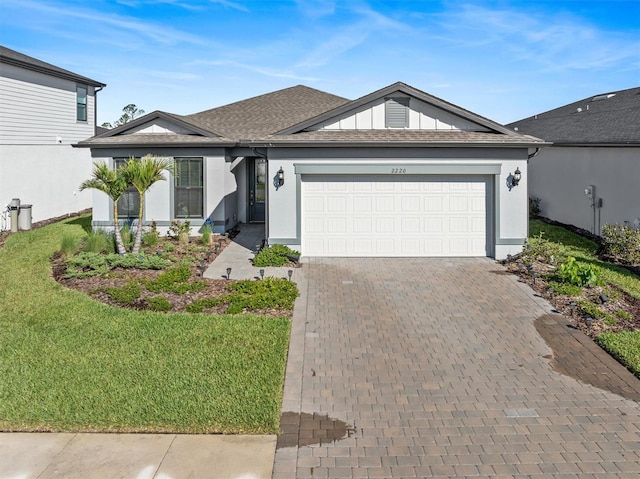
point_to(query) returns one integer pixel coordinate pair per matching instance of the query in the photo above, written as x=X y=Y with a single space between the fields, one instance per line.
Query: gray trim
x=388 y=169
x=285 y=241
x=499 y=240
x=510 y=241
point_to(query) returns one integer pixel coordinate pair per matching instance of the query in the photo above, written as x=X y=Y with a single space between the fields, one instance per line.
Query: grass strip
x=69 y=363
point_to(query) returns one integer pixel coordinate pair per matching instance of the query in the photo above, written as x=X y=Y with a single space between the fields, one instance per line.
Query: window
x=397 y=112
x=129 y=202
x=81 y=103
x=188 y=188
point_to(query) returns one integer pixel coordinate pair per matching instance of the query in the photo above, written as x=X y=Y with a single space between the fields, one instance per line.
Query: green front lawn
x=69 y=363
x=624 y=345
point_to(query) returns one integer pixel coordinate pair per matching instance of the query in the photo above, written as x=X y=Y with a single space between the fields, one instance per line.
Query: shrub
x=68 y=245
x=125 y=294
x=565 y=288
x=275 y=255
x=151 y=237
x=175 y=280
x=159 y=303
x=595 y=312
x=89 y=264
x=99 y=242
x=622 y=242
x=570 y=271
x=543 y=250
x=201 y=304
x=127 y=236
x=206 y=235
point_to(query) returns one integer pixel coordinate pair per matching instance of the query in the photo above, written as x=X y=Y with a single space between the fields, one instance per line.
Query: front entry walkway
x=436 y=368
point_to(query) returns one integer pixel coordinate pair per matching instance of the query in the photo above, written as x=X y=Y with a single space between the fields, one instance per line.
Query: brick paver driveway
x=434 y=368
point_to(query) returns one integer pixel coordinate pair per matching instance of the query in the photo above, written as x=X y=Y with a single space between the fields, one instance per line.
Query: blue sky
x=505 y=60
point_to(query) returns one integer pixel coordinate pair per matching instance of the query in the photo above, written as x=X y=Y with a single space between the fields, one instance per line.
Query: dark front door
x=257 y=189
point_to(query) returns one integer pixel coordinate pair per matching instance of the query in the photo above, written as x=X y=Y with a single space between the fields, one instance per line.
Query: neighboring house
x=397 y=172
x=589 y=177
x=44 y=109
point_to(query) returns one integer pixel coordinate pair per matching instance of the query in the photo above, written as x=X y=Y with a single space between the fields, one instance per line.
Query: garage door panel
x=394 y=216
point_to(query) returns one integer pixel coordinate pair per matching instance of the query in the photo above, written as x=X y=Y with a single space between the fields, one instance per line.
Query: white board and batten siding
x=382 y=216
x=422 y=116
x=39 y=109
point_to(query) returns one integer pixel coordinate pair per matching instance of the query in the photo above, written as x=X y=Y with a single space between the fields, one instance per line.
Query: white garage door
x=394 y=216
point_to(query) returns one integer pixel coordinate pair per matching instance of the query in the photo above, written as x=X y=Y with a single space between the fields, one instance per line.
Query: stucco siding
x=559 y=176
x=48 y=177
x=39 y=109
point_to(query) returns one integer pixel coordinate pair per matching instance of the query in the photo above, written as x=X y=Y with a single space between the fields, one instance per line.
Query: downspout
x=95 y=108
x=266 y=195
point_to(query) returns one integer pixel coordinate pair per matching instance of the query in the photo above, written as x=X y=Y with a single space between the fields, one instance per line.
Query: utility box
x=24 y=217
x=13 y=212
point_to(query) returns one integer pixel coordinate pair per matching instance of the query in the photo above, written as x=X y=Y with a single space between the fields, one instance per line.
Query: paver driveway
x=434 y=368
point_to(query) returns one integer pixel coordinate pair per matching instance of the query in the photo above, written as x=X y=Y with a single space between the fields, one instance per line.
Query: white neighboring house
x=44 y=111
x=589 y=177
x=397 y=172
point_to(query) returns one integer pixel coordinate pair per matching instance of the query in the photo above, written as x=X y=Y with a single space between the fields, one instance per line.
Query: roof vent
x=603 y=97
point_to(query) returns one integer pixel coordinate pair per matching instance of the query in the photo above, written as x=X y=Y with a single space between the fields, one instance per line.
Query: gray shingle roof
x=280 y=117
x=606 y=119
x=12 y=57
x=263 y=115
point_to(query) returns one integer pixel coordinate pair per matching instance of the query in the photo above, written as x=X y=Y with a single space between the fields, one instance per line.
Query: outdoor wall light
x=280 y=177
x=513 y=180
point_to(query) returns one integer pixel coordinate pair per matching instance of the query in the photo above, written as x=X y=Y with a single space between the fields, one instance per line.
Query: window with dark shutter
x=397 y=113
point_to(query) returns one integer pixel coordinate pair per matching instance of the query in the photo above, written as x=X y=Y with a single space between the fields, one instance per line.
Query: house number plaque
x=398 y=171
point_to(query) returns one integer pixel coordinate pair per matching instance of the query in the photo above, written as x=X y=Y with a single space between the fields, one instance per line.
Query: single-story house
x=397 y=172
x=589 y=177
x=44 y=110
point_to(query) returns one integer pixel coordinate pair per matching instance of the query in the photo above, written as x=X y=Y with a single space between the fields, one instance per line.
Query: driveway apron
x=434 y=368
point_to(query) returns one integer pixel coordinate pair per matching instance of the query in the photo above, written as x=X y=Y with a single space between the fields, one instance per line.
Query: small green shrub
x=570 y=271
x=200 y=305
x=541 y=249
x=623 y=242
x=99 y=242
x=595 y=312
x=68 y=245
x=127 y=236
x=125 y=294
x=206 y=235
x=624 y=315
x=178 y=227
x=565 y=288
x=150 y=238
x=87 y=264
x=176 y=280
x=159 y=303
x=275 y=255
x=168 y=247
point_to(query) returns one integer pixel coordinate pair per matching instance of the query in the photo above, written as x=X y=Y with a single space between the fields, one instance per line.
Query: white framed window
x=188 y=194
x=81 y=102
x=396 y=112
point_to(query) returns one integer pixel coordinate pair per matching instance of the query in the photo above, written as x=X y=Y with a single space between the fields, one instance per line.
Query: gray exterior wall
x=37 y=128
x=559 y=176
x=220 y=202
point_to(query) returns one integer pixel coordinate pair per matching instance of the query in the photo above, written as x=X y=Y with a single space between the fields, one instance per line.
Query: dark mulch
x=619 y=301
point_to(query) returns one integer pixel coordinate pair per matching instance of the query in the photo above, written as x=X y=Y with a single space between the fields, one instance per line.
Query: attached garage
x=396 y=215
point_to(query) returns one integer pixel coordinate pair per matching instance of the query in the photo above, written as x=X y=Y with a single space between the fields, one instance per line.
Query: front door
x=257 y=189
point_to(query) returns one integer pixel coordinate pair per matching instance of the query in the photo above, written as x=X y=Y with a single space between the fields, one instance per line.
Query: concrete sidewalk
x=134 y=456
x=238 y=255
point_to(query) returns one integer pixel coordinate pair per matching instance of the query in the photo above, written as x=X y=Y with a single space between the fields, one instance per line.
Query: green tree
x=113 y=183
x=143 y=174
x=129 y=112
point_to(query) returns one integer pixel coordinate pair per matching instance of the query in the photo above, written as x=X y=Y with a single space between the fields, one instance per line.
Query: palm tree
x=113 y=183
x=143 y=174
